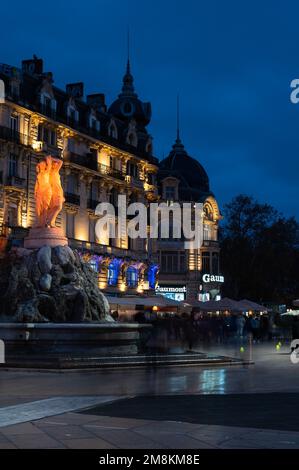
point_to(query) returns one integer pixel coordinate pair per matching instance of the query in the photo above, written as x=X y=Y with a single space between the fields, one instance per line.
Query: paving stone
x=24 y=428
x=126 y=439
x=32 y=441
x=7 y=445
x=67 y=432
x=94 y=443
x=122 y=423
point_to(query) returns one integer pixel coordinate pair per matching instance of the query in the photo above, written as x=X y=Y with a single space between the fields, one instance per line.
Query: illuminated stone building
x=189 y=274
x=106 y=151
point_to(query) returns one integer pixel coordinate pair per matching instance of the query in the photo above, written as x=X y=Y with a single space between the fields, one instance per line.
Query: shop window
x=112 y=274
x=132 y=277
x=152 y=275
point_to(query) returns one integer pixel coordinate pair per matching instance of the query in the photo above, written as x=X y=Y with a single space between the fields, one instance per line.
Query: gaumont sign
x=206 y=278
x=171 y=289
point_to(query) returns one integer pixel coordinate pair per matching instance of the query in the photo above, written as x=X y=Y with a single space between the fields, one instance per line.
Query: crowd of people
x=201 y=328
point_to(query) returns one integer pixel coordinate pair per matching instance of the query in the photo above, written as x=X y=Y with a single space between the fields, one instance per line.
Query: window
x=173 y=262
x=132 y=139
x=13 y=165
x=112 y=130
x=205 y=262
x=206 y=232
x=47 y=105
x=170 y=193
x=14 y=123
x=215 y=263
x=46 y=135
x=132 y=277
x=70 y=225
x=112 y=274
x=151 y=178
x=132 y=169
x=92 y=235
x=72 y=184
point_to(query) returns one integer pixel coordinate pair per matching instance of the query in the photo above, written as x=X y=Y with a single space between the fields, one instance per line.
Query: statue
x=57 y=199
x=48 y=192
x=49 y=199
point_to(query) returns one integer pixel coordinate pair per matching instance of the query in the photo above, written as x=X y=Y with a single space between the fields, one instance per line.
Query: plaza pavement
x=187 y=407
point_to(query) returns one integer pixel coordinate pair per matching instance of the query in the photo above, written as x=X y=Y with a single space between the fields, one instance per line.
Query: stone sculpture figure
x=43 y=191
x=48 y=191
x=57 y=199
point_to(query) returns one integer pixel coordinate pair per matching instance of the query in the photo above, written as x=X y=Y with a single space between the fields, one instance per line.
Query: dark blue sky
x=232 y=64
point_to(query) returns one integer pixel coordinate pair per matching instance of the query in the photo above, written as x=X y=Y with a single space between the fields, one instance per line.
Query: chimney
x=32 y=66
x=97 y=101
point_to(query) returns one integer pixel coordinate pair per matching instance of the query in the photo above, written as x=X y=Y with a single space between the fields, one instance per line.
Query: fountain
x=52 y=312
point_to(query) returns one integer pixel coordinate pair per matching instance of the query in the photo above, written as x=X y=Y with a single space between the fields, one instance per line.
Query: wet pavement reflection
x=272 y=371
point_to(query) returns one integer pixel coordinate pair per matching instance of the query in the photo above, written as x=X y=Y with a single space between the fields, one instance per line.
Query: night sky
x=231 y=63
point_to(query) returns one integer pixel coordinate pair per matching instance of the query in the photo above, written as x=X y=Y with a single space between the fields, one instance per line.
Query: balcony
x=135 y=181
x=72 y=198
x=15 y=181
x=109 y=171
x=109 y=250
x=83 y=160
x=6 y=133
x=210 y=243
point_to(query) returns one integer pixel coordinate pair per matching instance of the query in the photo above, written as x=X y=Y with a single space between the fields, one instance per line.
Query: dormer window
x=48 y=105
x=170 y=193
x=14 y=89
x=132 y=139
x=94 y=124
x=112 y=130
x=72 y=113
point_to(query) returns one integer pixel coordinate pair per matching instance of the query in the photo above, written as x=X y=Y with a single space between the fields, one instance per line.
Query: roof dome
x=194 y=182
x=128 y=106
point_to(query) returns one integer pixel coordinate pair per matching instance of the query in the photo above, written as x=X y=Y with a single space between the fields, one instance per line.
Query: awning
x=249 y=305
x=135 y=301
x=219 y=305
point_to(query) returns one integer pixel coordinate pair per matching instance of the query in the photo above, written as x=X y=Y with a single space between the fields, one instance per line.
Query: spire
x=128 y=86
x=178 y=146
x=178 y=119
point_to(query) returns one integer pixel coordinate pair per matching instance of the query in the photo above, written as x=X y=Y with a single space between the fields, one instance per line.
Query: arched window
x=112 y=274
x=132 y=277
x=112 y=130
x=132 y=139
x=152 y=275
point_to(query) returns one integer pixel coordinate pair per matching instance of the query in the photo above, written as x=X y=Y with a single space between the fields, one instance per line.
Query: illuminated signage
x=171 y=289
x=172 y=292
x=212 y=278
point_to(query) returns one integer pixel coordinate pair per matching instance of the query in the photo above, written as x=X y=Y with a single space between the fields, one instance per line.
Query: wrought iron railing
x=12 y=135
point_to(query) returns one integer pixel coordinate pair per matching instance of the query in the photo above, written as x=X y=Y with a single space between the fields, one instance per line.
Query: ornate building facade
x=189 y=274
x=106 y=151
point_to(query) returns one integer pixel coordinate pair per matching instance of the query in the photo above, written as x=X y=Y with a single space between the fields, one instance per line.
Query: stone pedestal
x=50 y=236
x=68 y=345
